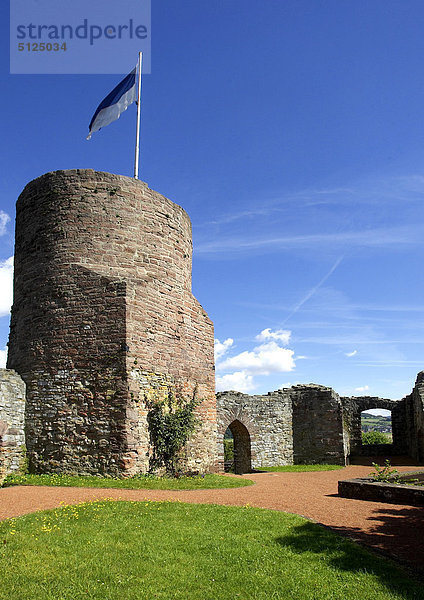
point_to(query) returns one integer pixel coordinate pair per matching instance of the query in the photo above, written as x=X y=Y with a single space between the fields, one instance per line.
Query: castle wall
x=318 y=432
x=103 y=317
x=308 y=424
x=298 y=425
x=414 y=413
x=12 y=408
x=268 y=420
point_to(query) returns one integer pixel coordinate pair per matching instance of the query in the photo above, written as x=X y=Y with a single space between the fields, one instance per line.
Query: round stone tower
x=103 y=319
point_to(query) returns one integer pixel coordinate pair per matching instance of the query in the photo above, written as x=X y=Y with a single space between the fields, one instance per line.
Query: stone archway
x=242 y=447
x=353 y=409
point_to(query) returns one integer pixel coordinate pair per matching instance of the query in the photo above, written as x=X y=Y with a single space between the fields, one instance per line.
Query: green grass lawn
x=301 y=468
x=147 y=482
x=161 y=550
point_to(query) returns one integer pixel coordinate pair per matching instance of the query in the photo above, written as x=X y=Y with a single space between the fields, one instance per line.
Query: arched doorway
x=375 y=427
x=241 y=449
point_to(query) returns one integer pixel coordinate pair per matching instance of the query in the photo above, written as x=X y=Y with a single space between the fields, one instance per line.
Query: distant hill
x=371 y=422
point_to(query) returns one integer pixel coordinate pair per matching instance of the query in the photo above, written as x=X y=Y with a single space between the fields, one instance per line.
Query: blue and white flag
x=115 y=103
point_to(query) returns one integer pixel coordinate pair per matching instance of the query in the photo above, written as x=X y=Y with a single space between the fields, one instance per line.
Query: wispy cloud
x=6 y=286
x=348 y=309
x=353 y=306
x=281 y=203
x=371 y=238
x=388 y=308
x=391 y=363
x=3 y=358
x=244 y=214
x=407 y=189
x=314 y=289
x=363 y=388
x=280 y=335
x=4 y=220
x=374 y=213
x=366 y=340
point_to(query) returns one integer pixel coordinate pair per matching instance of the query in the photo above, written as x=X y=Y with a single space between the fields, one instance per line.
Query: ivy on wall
x=171 y=422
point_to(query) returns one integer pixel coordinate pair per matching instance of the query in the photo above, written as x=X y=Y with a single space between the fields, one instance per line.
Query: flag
x=115 y=103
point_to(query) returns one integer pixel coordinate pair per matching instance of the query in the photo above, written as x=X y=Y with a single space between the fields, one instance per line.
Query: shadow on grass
x=395 y=531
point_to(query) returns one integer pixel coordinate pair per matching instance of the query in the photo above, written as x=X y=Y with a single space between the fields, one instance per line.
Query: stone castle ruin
x=103 y=317
x=308 y=424
x=104 y=320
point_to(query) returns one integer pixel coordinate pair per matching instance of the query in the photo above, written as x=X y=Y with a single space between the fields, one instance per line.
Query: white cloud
x=263 y=360
x=239 y=381
x=6 y=285
x=380 y=412
x=4 y=220
x=288 y=384
x=353 y=353
x=363 y=388
x=3 y=358
x=222 y=348
x=266 y=358
x=281 y=335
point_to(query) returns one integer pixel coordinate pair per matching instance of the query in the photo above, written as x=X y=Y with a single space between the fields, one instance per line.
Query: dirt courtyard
x=395 y=530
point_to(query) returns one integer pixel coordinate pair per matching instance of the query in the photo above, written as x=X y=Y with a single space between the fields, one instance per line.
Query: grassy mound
x=301 y=468
x=145 y=550
x=142 y=482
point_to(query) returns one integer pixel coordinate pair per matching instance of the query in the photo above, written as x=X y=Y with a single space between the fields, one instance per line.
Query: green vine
x=171 y=422
x=2 y=465
x=23 y=461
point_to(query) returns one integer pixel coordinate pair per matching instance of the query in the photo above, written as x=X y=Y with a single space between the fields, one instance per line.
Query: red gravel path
x=396 y=530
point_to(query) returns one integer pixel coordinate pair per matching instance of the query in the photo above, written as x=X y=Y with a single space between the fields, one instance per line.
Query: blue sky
x=292 y=132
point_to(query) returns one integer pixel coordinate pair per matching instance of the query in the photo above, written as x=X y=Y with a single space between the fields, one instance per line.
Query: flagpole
x=137 y=137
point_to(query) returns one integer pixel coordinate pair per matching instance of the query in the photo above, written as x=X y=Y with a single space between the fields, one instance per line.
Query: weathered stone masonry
x=262 y=425
x=352 y=409
x=103 y=315
x=301 y=424
x=12 y=408
x=414 y=420
x=318 y=432
x=313 y=424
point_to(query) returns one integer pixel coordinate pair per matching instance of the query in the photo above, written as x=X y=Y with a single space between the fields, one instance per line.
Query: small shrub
x=228 y=450
x=386 y=473
x=375 y=437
